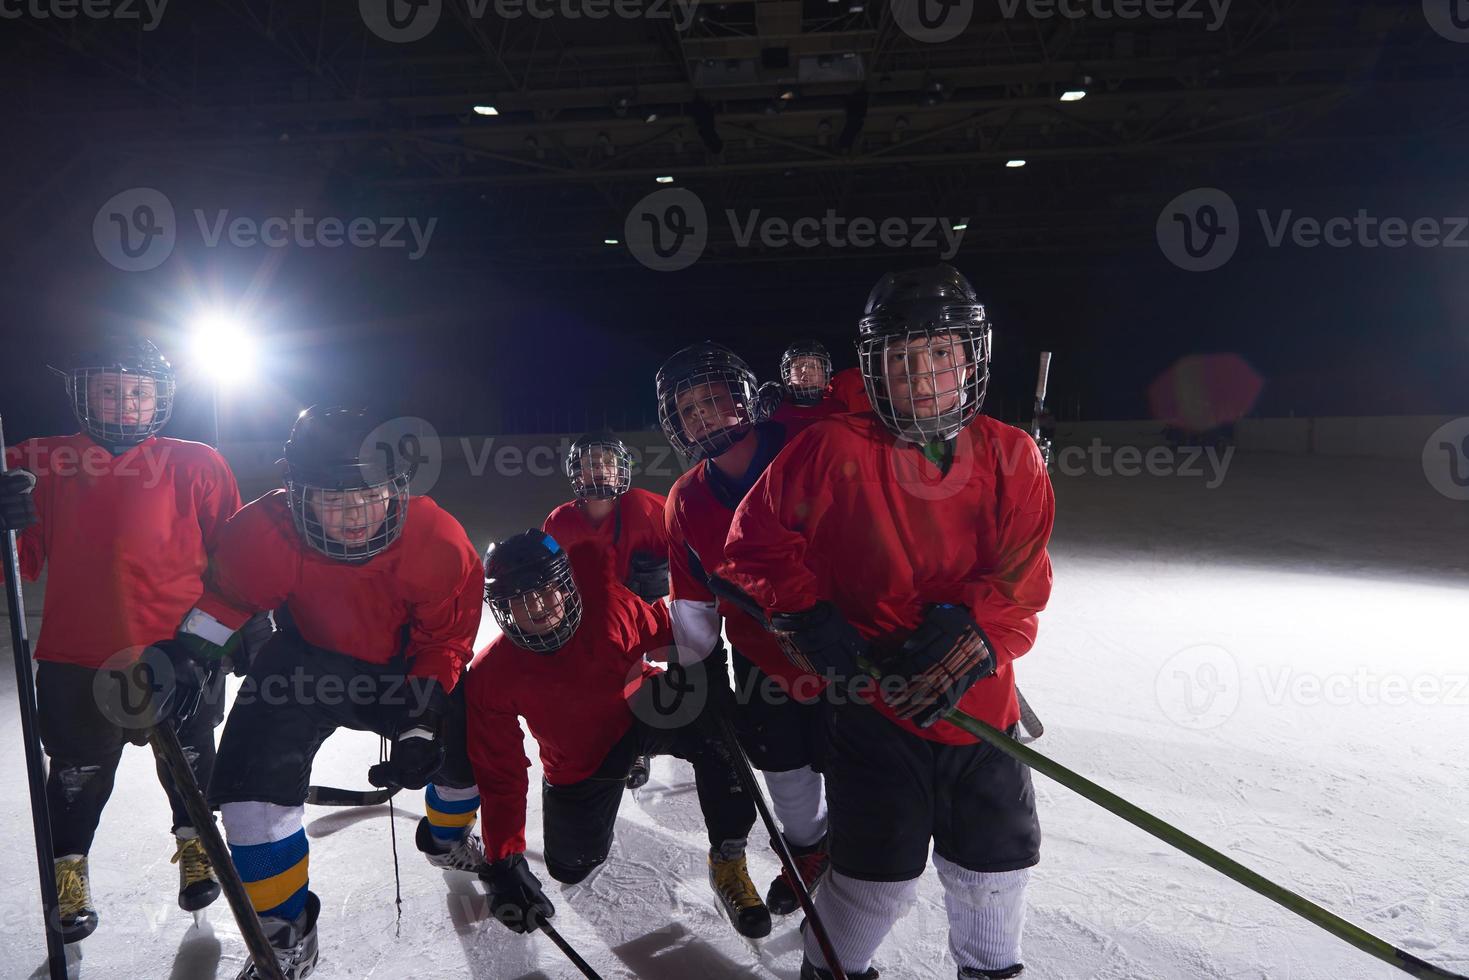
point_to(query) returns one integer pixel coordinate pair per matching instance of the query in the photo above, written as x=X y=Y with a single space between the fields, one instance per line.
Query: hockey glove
x=942 y=659
x=648 y=576
x=681 y=696
x=253 y=636
x=17 y=508
x=820 y=641
x=515 y=894
x=418 y=748
x=178 y=680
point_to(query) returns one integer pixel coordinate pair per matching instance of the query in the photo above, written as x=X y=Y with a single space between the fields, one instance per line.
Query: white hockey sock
x=247 y=824
x=858 y=915
x=798 y=798
x=986 y=914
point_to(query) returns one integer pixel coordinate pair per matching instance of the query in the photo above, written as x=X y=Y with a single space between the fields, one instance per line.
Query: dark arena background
x=1240 y=228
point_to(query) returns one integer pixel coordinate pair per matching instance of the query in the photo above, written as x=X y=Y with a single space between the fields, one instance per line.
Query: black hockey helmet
x=599 y=484
x=528 y=577
x=900 y=335
x=348 y=491
x=122 y=378
x=711 y=388
x=805 y=393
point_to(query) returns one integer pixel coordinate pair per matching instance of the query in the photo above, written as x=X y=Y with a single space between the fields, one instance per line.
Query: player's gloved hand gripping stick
x=1138 y=817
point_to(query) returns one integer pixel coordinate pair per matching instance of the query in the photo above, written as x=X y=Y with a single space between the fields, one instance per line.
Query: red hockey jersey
x=124 y=540
x=698 y=518
x=848 y=388
x=430 y=580
x=848 y=514
x=635 y=524
x=573 y=700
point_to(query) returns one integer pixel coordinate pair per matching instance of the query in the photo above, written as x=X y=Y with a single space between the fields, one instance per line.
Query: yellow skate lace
x=732 y=881
x=196 y=864
x=73 y=894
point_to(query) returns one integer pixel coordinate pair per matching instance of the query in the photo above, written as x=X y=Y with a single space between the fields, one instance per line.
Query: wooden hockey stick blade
x=165 y=743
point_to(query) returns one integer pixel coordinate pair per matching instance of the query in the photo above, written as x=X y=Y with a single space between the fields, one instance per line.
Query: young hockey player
x=705 y=395
x=568 y=663
x=378 y=596
x=920 y=533
x=807 y=388
x=610 y=511
x=123 y=520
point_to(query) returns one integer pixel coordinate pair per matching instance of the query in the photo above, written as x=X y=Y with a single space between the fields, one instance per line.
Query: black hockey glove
x=648 y=576
x=515 y=894
x=820 y=641
x=942 y=659
x=177 y=677
x=17 y=508
x=253 y=636
x=418 y=747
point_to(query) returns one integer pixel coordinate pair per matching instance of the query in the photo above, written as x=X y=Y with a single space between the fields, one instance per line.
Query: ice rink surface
x=1278 y=665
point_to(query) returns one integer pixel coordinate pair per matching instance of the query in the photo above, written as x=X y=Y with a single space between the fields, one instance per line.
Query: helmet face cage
x=599 y=469
x=926 y=384
x=118 y=405
x=348 y=520
x=805 y=392
x=706 y=411
x=549 y=595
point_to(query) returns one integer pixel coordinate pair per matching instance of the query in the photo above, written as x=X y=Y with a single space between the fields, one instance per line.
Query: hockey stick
x=333 y=796
x=165 y=742
x=1042 y=378
x=25 y=685
x=778 y=841
x=1029 y=720
x=544 y=924
x=1161 y=829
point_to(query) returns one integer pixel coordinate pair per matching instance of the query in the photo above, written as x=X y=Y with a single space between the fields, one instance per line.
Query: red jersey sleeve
x=253 y=566
x=443 y=627
x=217 y=498
x=1005 y=600
x=765 y=552
x=30 y=543
x=497 y=755
x=651 y=533
x=683 y=582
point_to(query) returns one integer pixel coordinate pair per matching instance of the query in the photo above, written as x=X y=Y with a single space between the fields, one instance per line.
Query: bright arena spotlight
x=223 y=347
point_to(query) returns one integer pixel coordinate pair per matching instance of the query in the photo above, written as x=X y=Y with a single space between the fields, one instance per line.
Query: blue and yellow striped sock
x=275 y=874
x=450 y=811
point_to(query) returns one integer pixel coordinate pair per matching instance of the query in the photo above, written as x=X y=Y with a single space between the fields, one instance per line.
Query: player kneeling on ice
x=917 y=533
x=378 y=596
x=122 y=520
x=571 y=663
x=705 y=398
